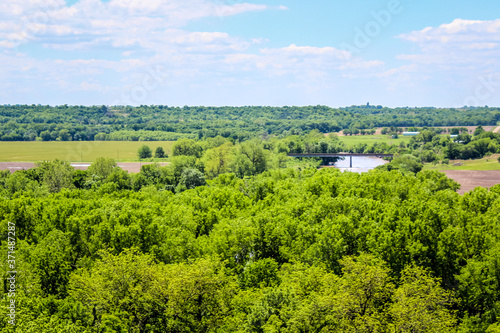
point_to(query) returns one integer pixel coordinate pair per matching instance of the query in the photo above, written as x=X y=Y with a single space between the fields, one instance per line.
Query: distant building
x=410 y=133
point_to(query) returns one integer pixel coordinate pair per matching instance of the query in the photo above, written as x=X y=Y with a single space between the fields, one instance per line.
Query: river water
x=359 y=164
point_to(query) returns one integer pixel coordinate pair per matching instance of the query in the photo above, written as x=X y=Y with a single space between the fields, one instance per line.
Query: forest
x=239 y=237
x=236 y=236
x=157 y=123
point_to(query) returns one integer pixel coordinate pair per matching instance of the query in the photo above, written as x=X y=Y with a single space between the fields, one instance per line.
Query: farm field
x=371 y=139
x=483 y=172
x=470 y=179
x=88 y=151
x=75 y=151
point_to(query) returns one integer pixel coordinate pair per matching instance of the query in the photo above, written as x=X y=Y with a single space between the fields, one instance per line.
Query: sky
x=394 y=53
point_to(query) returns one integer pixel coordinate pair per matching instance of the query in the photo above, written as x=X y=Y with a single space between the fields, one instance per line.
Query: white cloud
x=461 y=41
x=92 y=86
x=450 y=60
x=37 y=20
x=461 y=49
x=303 y=66
x=322 y=58
x=457 y=32
x=228 y=10
x=294 y=50
x=122 y=40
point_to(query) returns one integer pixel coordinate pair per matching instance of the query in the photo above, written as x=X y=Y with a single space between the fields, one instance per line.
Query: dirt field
x=135 y=167
x=14 y=166
x=132 y=167
x=469 y=179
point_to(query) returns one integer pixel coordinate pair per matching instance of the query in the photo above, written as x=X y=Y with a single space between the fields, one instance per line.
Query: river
x=359 y=164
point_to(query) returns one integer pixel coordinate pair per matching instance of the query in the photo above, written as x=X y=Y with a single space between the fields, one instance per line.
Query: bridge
x=350 y=155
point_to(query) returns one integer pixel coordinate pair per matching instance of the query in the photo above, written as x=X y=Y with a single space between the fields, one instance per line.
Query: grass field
x=486 y=163
x=371 y=139
x=76 y=151
x=88 y=151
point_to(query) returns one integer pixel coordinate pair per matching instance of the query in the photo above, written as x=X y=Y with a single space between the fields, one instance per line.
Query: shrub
x=145 y=152
x=190 y=179
x=160 y=153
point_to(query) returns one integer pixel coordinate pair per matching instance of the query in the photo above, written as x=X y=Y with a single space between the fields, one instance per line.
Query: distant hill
x=157 y=122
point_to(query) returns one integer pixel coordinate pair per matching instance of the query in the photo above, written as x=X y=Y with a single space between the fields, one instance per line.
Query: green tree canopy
x=144 y=152
x=159 y=152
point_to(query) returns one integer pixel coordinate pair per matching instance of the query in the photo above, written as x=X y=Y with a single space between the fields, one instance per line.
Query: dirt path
x=497 y=130
x=14 y=166
x=132 y=167
x=135 y=167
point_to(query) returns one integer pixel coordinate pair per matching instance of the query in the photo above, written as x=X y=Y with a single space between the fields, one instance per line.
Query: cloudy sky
x=267 y=52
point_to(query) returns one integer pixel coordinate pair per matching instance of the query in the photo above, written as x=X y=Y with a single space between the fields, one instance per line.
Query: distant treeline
x=154 y=123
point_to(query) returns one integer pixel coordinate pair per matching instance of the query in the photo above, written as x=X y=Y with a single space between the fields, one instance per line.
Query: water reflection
x=359 y=164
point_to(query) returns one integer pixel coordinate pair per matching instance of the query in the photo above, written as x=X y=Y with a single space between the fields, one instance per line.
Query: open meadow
x=88 y=151
x=371 y=139
x=482 y=164
x=76 y=151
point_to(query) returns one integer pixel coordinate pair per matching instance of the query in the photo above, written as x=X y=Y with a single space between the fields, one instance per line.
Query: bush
x=187 y=147
x=499 y=160
x=145 y=152
x=45 y=135
x=160 y=153
x=190 y=179
x=406 y=163
x=102 y=167
x=446 y=161
x=478 y=131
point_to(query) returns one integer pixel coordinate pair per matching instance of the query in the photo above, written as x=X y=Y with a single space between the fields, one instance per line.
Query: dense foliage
x=431 y=146
x=64 y=123
x=284 y=250
x=235 y=236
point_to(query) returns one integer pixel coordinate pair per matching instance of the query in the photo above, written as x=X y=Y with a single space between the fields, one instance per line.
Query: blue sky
x=231 y=52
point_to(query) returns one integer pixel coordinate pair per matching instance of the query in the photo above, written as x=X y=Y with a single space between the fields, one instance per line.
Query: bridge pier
x=343 y=155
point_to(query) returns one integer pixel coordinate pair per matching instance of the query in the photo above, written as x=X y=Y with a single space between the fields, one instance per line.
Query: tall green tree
x=187 y=147
x=144 y=152
x=421 y=305
x=159 y=152
x=56 y=175
x=219 y=160
x=102 y=167
x=365 y=288
x=190 y=179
